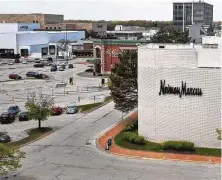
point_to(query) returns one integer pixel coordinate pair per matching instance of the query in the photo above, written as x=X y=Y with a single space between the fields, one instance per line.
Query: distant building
x=106 y=52
x=187 y=13
x=43 y=19
x=132 y=32
x=20 y=38
x=100 y=28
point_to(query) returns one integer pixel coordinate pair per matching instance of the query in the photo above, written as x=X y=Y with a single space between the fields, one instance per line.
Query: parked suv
x=14 y=76
x=31 y=74
x=13 y=110
x=7 y=117
x=23 y=116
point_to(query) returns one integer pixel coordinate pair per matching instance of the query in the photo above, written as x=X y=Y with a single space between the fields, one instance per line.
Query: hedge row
x=178 y=145
x=133 y=138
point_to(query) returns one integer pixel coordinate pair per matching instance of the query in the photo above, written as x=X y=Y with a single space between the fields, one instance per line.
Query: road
x=70 y=154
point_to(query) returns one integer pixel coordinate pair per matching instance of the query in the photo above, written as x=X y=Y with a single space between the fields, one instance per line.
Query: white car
x=72 y=108
x=4 y=62
x=10 y=63
x=24 y=62
x=61 y=68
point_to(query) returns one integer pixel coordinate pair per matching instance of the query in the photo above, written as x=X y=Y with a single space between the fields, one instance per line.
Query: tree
x=9 y=159
x=39 y=106
x=171 y=35
x=218 y=134
x=123 y=82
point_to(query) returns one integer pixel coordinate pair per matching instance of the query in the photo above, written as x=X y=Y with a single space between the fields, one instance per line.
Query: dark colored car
x=23 y=116
x=54 y=67
x=13 y=110
x=50 y=59
x=41 y=76
x=70 y=66
x=89 y=70
x=40 y=65
x=56 y=110
x=4 y=138
x=31 y=74
x=14 y=76
x=17 y=61
x=7 y=117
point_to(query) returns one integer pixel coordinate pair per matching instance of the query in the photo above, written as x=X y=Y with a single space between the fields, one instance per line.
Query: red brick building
x=107 y=50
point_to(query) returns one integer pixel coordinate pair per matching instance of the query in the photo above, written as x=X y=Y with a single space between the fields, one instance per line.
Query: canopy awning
x=94 y=61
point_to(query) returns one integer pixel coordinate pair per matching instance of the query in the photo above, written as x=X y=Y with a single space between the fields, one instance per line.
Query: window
x=161 y=47
x=33 y=21
x=175 y=7
x=54 y=27
x=24 y=52
x=50 y=27
x=36 y=21
x=46 y=27
x=51 y=49
x=180 y=7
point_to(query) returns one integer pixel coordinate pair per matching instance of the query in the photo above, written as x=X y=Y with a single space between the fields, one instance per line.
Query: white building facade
x=20 y=38
x=177 y=99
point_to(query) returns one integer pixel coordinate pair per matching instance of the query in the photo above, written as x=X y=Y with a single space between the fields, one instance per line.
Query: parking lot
x=15 y=92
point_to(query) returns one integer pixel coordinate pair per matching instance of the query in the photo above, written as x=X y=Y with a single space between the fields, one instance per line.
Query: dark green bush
x=178 y=145
x=133 y=138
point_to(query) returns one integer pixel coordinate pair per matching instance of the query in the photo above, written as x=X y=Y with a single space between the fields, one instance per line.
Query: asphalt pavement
x=70 y=154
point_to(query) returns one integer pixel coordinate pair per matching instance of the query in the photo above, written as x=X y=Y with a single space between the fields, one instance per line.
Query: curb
x=41 y=137
x=93 y=109
x=98 y=145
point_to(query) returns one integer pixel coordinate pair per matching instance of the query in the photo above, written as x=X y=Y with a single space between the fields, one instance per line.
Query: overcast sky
x=102 y=9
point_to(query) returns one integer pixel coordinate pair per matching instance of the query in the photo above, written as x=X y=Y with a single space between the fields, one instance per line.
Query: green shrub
x=133 y=138
x=178 y=145
x=131 y=127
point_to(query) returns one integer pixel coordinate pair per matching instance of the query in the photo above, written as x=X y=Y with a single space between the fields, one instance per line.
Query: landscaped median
x=126 y=142
x=90 y=107
x=34 y=135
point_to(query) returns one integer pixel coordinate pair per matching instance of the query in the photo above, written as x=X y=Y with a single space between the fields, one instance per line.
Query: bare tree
x=39 y=106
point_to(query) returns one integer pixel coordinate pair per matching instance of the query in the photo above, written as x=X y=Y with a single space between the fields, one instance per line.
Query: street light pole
x=66 y=46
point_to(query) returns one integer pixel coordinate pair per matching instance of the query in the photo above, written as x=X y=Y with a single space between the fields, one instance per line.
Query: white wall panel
x=32 y=38
x=169 y=117
x=8 y=41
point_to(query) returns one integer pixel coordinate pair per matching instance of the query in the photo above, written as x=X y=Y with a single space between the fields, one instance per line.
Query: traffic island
x=150 y=150
x=34 y=135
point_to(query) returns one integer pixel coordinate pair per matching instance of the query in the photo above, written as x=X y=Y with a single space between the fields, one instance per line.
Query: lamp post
x=66 y=46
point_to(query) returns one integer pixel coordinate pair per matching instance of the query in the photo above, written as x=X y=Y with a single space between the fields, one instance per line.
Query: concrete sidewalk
x=116 y=150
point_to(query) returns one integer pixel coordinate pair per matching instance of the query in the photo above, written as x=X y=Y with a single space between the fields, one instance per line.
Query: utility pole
x=66 y=46
x=183 y=17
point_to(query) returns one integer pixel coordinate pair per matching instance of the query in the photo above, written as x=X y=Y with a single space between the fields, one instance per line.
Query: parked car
x=13 y=110
x=14 y=76
x=7 y=117
x=4 y=138
x=10 y=63
x=56 y=110
x=24 y=62
x=4 y=62
x=31 y=74
x=89 y=70
x=23 y=116
x=61 y=68
x=70 y=66
x=41 y=76
x=17 y=61
x=39 y=65
x=37 y=60
x=50 y=59
x=72 y=108
x=54 y=67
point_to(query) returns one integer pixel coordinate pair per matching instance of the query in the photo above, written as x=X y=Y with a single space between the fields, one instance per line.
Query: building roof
x=125 y=32
x=118 y=41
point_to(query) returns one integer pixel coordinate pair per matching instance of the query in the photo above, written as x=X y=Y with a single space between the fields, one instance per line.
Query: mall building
x=179 y=92
x=23 y=39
